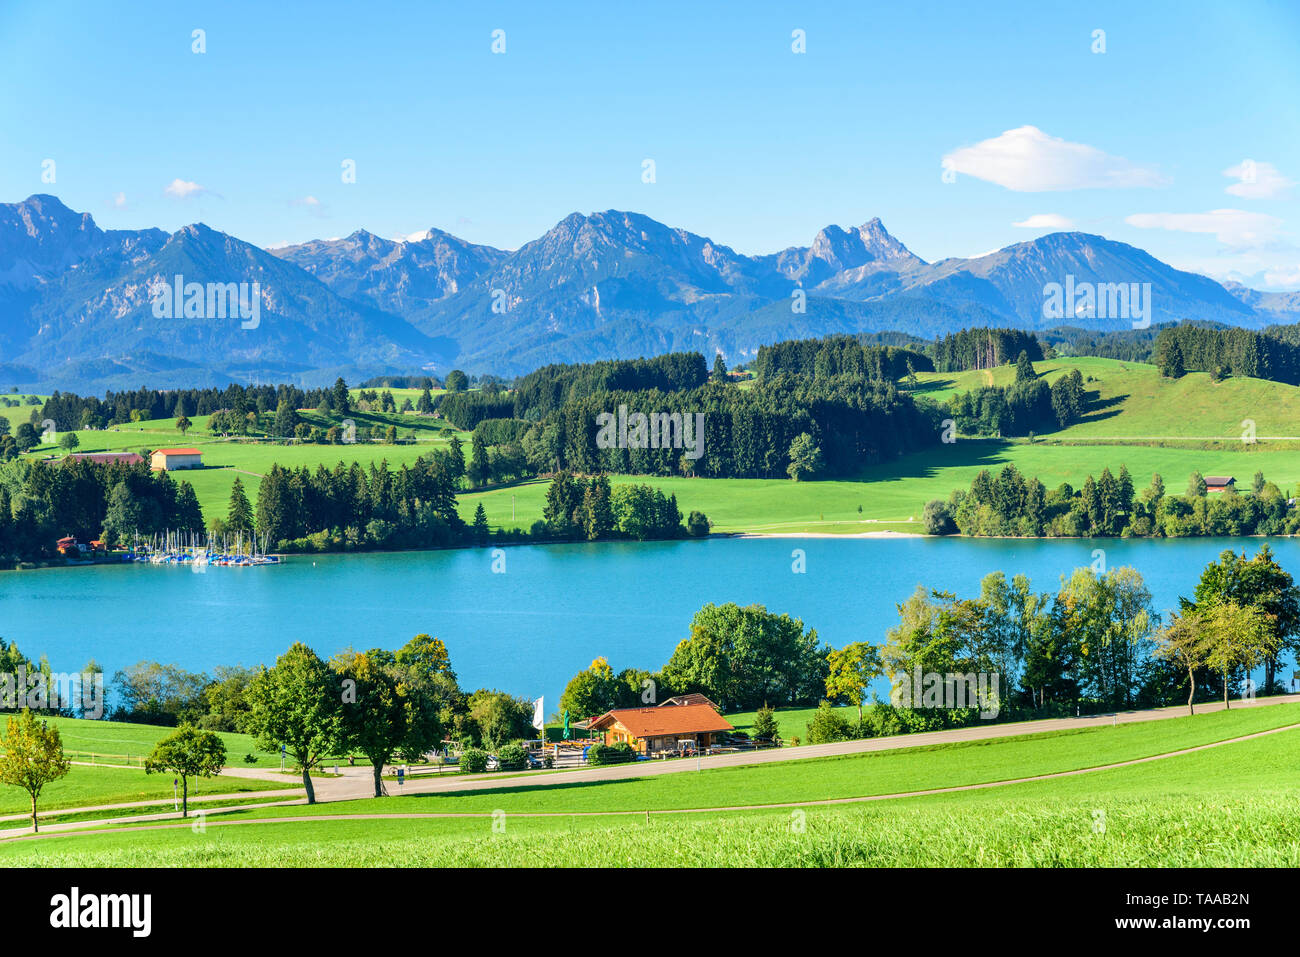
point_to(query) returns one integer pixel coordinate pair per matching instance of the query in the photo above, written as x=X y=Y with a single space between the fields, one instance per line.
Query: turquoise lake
x=553 y=610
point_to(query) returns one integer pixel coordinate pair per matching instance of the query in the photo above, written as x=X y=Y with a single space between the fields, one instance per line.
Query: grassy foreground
x=1181 y=811
x=895 y=771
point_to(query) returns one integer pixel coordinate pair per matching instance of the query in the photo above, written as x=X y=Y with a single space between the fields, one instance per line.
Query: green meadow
x=23 y=411
x=119 y=742
x=1231 y=805
x=895 y=771
x=109 y=758
x=85 y=785
x=792 y=722
x=225 y=459
x=1131 y=401
x=1135 y=418
x=892 y=496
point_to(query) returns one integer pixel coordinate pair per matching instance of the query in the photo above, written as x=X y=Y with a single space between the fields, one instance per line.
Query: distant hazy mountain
x=93 y=322
x=76 y=301
x=860 y=263
x=398 y=277
x=1010 y=282
x=1283 y=307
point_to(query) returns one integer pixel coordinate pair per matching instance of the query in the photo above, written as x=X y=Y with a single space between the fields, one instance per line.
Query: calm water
x=555 y=608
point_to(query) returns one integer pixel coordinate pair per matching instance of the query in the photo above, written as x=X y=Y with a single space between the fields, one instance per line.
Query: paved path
x=54 y=830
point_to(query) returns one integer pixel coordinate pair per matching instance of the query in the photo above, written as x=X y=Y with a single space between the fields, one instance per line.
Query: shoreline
x=876 y=534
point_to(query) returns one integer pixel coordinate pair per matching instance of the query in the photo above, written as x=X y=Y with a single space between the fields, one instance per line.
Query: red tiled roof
x=177 y=451
x=653 y=722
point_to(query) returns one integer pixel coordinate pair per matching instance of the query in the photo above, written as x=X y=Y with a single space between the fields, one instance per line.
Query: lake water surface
x=555 y=608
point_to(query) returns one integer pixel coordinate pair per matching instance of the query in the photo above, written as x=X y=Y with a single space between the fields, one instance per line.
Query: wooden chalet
x=654 y=730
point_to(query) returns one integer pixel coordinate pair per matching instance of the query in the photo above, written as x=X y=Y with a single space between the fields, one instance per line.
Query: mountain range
x=76 y=301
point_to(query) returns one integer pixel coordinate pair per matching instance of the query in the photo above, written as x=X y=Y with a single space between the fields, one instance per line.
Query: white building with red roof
x=169 y=460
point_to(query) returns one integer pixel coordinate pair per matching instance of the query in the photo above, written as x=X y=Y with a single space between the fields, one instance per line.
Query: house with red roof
x=650 y=730
x=169 y=460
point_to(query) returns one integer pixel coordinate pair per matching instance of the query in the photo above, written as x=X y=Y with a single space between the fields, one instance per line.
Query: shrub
x=512 y=757
x=880 y=721
x=765 y=725
x=250 y=759
x=473 y=761
x=611 y=753
x=937 y=519
x=697 y=524
x=828 y=725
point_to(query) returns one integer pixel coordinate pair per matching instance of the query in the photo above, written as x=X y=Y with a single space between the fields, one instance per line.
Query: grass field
x=23 y=411
x=793 y=722
x=224 y=460
x=1231 y=805
x=86 y=785
x=822 y=779
x=892 y=496
x=118 y=742
x=1131 y=400
x=1136 y=418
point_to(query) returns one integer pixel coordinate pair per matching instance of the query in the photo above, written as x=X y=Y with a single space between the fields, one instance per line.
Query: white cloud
x=1283 y=278
x=119 y=201
x=1232 y=227
x=1046 y=221
x=1272 y=267
x=313 y=206
x=1028 y=160
x=419 y=237
x=1257 y=181
x=184 y=189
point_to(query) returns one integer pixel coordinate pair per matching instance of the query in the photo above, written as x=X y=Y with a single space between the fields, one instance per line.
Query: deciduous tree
x=187 y=751
x=298 y=705
x=33 y=757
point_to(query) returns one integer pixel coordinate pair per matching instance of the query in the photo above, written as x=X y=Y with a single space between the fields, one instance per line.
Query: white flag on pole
x=539 y=715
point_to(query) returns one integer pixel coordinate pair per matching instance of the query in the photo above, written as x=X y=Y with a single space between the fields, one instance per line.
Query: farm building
x=653 y=730
x=1220 y=483
x=69 y=547
x=108 y=458
x=169 y=460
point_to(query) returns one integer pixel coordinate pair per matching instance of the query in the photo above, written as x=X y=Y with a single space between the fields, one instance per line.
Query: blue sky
x=754 y=145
